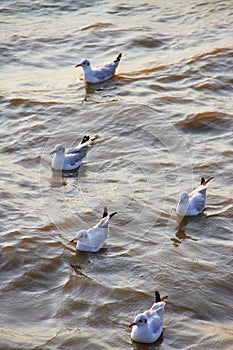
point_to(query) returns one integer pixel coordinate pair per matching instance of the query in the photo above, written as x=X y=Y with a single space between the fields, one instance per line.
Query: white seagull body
x=92 y=240
x=99 y=75
x=147 y=327
x=71 y=159
x=194 y=203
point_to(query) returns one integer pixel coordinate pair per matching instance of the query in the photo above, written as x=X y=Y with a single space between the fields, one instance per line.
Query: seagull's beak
x=132 y=324
x=53 y=151
x=73 y=240
x=78 y=65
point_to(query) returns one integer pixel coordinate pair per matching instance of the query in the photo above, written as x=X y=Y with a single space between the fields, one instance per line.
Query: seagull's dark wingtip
x=85 y=139
x=111 y=215
x=157 y=297
x=118 y=58
x=204 y=182
x=105 y=213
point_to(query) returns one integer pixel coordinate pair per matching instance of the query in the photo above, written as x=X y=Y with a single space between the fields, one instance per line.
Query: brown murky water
x=164 y=121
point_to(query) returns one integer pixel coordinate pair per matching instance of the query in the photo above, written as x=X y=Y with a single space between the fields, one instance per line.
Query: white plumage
x=99 y=75
x=93 y=239
x=194 y=203
x=147 y=327
x=71 y=159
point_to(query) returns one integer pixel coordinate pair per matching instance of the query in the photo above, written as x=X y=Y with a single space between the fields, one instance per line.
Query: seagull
x=147 y=327
x=194 y=203
x=93 y=239
x=71 y=159
x=99 y=75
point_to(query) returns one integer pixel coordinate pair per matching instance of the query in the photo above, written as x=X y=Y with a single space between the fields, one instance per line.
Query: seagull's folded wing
x=72 y=151
x=74 y=158
x=77 y=154
x=157 y=326
x=107 y=71
x=197 y=203
x=96 y=236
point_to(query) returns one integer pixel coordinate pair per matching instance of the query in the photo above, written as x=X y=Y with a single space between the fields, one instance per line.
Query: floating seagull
x=71 y=159
x=100 y=74
x=194 y=203
x=147 y=327
x=92 y=240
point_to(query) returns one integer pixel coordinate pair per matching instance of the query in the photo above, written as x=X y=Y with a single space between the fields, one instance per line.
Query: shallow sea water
x=164 y=121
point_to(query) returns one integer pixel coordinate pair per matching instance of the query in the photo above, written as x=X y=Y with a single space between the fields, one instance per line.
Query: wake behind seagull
x=194 y=203
x=99 y=75
x=147 y=327
x=93 y=239
x=72 y=158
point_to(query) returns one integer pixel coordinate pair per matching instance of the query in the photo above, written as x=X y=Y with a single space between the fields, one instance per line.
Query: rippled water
x=164 y=121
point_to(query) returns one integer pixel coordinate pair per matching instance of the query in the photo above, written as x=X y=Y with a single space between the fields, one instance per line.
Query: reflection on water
x=57 y=179
x=180 y=231
x=101 y=92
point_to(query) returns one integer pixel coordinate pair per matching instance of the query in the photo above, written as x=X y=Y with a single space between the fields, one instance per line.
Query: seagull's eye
x=143 y=320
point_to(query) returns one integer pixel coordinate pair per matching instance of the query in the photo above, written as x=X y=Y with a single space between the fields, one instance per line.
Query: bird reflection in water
x=180 y=232
x=97 y=93
x=58 y=178
x=91 y=90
